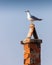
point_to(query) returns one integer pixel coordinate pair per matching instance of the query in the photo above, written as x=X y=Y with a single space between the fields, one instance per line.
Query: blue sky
x=14 y=28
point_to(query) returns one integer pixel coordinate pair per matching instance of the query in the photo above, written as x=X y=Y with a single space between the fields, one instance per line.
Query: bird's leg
x=31 y=22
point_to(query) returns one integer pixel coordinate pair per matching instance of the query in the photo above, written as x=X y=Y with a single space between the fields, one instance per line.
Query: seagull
x=31 y=18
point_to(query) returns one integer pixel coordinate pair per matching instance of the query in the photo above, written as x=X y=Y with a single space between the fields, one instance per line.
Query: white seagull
x=31 y=18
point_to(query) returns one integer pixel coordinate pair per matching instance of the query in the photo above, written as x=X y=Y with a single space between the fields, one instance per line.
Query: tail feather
x=40 y=19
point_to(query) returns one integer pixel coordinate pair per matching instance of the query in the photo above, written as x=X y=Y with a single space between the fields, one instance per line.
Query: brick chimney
x=32 y=47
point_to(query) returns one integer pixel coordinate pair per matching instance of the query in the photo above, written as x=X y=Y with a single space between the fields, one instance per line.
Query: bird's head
x=27 y=11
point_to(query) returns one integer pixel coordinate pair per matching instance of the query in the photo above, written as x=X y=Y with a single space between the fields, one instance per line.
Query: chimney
x=32 y=47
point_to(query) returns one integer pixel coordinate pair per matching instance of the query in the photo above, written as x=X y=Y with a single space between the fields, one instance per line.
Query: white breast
x=29 y=17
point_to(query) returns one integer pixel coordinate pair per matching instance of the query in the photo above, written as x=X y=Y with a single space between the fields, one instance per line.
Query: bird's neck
x=28 y=14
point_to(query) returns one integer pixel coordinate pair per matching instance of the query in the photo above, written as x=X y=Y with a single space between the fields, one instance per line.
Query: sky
x=14 y=27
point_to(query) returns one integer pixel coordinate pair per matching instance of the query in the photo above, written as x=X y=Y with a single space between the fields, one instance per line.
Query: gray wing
x=35 y=18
